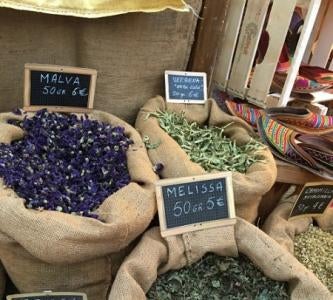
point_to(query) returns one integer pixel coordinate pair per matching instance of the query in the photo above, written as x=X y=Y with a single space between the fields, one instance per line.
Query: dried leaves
x=208 y=146
x=217 y=278
x=314 y=249
x=64 y=163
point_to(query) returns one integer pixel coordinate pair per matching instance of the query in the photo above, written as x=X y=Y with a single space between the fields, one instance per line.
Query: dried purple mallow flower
x=158 y=168
x=17 y=111
x=65 y=163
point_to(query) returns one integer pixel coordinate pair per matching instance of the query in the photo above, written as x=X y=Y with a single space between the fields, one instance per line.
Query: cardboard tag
x=185 y=87
x=195 y=203
x=313 y=200
x=59 y=88
x=48 y=296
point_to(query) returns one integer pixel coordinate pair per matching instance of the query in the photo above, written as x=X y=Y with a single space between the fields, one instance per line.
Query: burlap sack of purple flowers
x=155 y=255
x=248 y=188
x=52 y=250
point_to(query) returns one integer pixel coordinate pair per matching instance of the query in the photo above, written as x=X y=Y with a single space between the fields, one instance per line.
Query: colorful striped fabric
x=277 y=134
x=244 y=111
x=319 y=121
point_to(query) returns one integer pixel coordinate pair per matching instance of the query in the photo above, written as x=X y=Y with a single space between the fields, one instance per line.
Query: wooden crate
x=235 y=72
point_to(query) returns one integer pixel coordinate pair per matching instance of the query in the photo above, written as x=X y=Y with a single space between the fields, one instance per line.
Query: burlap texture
x=50 y=250
x=93 y=8
x=120 y=48
x=155 y=255
x=248 y=188
x=283 y=230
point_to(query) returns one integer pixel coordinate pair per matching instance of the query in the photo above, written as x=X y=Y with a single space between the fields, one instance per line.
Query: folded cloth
x=283 y=143
x=244 y=111
x=302 y=120
x=301 y=85
x=321 y=75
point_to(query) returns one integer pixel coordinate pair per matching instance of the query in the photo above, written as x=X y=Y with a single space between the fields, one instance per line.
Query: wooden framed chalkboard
x=59 y=88
x=48 y=296
x=185 y=87
x=194 y=203
x=313 y=200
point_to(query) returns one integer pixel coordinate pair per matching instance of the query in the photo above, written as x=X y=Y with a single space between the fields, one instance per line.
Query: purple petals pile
x=65 y=163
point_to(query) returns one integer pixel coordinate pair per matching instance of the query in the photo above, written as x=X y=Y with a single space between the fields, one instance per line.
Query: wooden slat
x=208 y=36
x=228 y=43
x=253 y=22
x=300 y=49
x=315 y=31
x=292 y=174
x=324 y=45
x=277 y=28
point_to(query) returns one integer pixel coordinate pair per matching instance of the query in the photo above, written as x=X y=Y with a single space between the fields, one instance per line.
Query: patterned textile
x=244 y=111
x=277 y=134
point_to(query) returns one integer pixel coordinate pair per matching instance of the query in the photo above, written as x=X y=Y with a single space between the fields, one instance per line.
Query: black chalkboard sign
x=59 y=88
x=48 y=296
x=313 y=200
x=185 y=87
x=193 y=203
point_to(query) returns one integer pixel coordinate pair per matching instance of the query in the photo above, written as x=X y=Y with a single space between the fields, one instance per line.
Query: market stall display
x=155 y=256
x=170 y=149
x=310 y=241
x=77 y=191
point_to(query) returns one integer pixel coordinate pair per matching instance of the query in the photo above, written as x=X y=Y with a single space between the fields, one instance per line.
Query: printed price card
x=59 y=88
x=48 y=296
x=185 y=87
x=313 y=200
x=195 y=203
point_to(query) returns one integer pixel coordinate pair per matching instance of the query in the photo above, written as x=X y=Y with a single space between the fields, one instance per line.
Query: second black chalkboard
x=313 y=200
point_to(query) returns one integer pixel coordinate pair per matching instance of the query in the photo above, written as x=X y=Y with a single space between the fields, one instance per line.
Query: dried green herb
x=314 y=249
x=217 y=278
x=207 y=145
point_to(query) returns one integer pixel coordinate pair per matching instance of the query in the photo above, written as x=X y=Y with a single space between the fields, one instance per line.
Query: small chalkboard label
x=195 y=203
x=59 y=88
x=185 y=87
x=48 y=296
x=313 y=200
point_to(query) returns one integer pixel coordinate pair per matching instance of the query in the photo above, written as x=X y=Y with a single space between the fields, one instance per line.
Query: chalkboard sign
x=194 y=203
x=59 y=88
x=185 y=87
x=48 y=296
x=313 y=200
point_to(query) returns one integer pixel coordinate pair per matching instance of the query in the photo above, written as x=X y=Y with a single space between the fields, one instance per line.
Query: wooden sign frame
x=58 y=69
x=182 y=73
x=16 y=296
x=197 y=226
x=310 y=184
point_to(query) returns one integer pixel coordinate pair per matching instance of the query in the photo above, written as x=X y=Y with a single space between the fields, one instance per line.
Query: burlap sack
x=248 y=188
x=120 y=48
x=283 y=230
x=94 y=8
x=50 y=250
x=155 y=255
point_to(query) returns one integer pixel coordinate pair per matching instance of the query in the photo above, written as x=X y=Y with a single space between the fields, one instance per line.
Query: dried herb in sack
x=217 y=278
x=207 y=145
x=65 y=163
x=314 y=249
